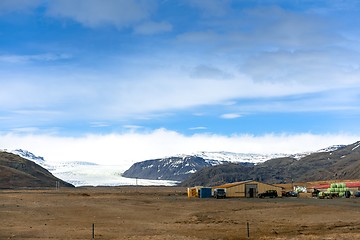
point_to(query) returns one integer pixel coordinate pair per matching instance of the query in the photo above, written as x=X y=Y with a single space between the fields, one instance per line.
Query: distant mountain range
x=337 y=162
x=18 y=172
x=179 y=168
x=212 y=168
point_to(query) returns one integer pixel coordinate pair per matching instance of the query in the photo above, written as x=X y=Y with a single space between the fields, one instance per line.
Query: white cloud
x=339 y=99
x=210 y=72
x=231 y=115
x=99 y=124
x=125 y=149
x=95 y=13
x=46 y=57
x=99 y=96
x=133 y=127
x=210 y=7
x=198 y=128
x=277 y=28
x=18 y=5
x=202 y=37
x=25 y=130
x=153 y=27
x=332 y=67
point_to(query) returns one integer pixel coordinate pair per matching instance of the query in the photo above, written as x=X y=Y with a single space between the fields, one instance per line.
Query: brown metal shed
x=249 y=189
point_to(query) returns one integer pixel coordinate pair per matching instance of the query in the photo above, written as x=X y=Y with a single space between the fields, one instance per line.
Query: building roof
x=229 y=185
x=348 y=185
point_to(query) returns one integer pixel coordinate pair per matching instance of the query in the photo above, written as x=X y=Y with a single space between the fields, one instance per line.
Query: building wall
x=264 y=187
x=236 y=191
x=239 y=190
x=194 y=191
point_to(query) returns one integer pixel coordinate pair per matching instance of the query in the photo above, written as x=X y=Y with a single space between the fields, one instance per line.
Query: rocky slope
x=342 y=162
x=18 y=172
x=180 y=167
x=172 y=168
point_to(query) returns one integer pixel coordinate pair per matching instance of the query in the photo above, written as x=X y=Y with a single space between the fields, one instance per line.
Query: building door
x=251 y=190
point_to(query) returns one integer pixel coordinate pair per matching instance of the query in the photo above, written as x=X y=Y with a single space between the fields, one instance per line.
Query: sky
x=112 y=81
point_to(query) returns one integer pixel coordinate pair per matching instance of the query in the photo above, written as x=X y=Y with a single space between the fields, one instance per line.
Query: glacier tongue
x=100 y=175
x=89 y=174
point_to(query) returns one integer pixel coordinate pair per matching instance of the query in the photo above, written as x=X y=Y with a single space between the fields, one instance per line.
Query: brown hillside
x=342 y=163
x=17 y=172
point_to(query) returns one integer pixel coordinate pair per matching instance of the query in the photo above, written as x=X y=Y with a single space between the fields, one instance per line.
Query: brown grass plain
x=167 y=213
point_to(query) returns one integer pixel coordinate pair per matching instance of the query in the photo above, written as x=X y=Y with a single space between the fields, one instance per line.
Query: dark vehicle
x=315 y=193
x=291 y=194
x=219 y=193
x=347 y=194
x=268 y=193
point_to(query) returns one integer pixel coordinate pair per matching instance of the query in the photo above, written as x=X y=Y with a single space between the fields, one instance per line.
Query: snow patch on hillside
x=331 y=148
x=29 y=156
x=255 y=158
x=355 y=147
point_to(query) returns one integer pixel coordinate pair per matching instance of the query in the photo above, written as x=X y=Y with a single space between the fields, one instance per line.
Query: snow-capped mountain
x=29 y=156
x=238 y=157
x=175 y=168
x=336 y=162
x=331 y=148
x=181 y=166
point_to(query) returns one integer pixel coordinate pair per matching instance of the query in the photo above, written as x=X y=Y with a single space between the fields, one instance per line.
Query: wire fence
x=247 y=234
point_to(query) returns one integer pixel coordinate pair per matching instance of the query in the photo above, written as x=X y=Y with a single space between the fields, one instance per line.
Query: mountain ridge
x=342 y=162
x=171 y=168
x=160 y=168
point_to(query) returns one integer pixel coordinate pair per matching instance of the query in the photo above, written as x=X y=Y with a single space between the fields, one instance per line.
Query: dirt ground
x=166 y=213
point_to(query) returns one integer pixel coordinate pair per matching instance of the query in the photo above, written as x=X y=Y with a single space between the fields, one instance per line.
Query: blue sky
x=193 y=68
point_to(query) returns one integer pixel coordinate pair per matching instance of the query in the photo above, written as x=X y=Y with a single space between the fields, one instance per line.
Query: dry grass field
x=167 y=213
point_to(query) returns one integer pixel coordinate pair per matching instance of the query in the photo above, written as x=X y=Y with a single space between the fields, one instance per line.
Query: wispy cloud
x=94 y=13
x=153 y=27
x=231 y=115
x=46 y=57
x=99 y=124
x=198 y=128
x=210 y=7
x=132 y=127
x=210 y=72
x=18 y=5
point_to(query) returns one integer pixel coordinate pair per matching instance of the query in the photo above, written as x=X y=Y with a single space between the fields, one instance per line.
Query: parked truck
x=268 y=193
x=219 y=193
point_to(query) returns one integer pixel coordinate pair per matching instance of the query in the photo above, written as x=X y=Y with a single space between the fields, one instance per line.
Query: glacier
x=91 y=174
x=81 y=173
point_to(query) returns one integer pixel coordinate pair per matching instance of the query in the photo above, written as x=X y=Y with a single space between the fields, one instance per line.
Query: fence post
x=248 y=230
x=93 y=231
